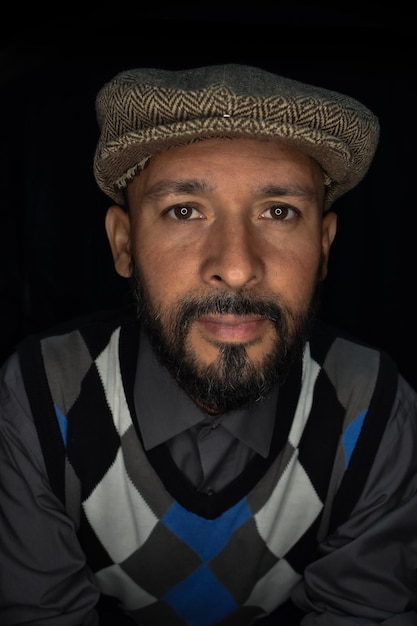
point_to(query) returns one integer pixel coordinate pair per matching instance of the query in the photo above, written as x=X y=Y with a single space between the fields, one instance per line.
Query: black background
x=55 y=261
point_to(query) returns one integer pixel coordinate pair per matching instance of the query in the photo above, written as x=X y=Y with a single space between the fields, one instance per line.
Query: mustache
x=235 y=303
x=232 y=303
x=192 y=306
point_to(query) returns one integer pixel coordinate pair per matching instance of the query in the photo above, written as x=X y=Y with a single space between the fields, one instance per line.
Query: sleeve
x=365 y=573
x=43 y=574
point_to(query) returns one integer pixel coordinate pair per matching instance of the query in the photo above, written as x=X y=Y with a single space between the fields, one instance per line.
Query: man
x=213 y=454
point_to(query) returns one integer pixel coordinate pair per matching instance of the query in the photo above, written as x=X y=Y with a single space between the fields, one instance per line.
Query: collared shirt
x=210 y=451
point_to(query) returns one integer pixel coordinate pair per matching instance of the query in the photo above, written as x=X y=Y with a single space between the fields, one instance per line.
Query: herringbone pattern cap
x=143 y=111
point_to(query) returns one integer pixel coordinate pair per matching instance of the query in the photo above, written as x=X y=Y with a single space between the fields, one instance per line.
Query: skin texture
x=233 y=227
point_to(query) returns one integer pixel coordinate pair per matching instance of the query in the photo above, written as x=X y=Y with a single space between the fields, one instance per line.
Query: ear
x=328 y=233
x=117 y=225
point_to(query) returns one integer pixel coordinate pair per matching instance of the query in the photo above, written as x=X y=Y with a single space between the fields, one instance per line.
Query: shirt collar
x=164 y=410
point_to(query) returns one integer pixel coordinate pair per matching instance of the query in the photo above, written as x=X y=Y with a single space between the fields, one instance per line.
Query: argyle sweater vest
x=165 y=553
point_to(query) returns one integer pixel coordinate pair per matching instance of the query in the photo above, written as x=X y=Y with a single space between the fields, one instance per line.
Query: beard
x=233 y=381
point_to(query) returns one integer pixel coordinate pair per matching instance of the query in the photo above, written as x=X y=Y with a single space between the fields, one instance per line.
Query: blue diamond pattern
x=207 y=537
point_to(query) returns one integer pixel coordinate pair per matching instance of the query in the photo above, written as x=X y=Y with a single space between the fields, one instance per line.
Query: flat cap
x=143 y=111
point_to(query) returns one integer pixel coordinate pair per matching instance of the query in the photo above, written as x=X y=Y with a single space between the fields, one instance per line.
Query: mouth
x=229 y=328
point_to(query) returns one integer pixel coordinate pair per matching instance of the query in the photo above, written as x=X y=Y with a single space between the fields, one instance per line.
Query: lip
x=231 y=328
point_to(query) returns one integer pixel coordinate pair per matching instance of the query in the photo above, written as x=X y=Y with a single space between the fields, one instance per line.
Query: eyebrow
x=175 y=187
x=288 y=190
x=194 y=186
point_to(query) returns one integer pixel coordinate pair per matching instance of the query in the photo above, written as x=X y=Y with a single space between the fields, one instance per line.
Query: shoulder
x=353 y=363
x=350 y=362
x=328 y=340
x=90 y=322
x=11 y=383
x=18 y=436
x=404 y=409
x=367 y=381
x=85 y=334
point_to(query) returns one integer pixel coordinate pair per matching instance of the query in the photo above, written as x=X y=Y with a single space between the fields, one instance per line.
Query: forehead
x=274 y=149
x=244 y=160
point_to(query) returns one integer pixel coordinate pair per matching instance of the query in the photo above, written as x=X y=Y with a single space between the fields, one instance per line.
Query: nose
x=233 y=255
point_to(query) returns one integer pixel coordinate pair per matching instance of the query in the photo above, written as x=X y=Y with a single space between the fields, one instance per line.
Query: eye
x=279 y=212
x=183 y=212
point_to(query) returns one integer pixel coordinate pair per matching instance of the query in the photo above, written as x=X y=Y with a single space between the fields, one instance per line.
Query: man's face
x=226 y=246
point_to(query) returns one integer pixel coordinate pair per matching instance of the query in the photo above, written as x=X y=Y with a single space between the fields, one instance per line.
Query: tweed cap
x=143 y=111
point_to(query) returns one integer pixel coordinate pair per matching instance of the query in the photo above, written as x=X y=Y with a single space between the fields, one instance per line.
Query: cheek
x=296 y=274
x=166 y=274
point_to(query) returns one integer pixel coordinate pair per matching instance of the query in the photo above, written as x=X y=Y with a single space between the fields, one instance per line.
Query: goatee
x=233 y=381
